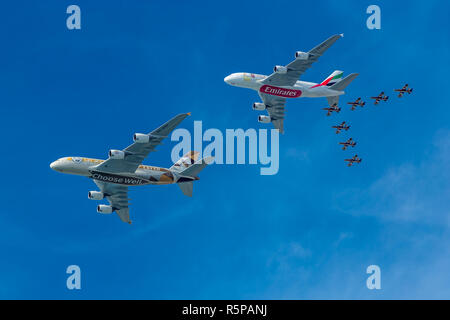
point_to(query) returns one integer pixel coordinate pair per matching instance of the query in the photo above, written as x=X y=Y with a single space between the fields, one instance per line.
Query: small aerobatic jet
x=331 y=109
x=380 y=97
x=349 y=143
x=355 y=159
x=124 y=168
x=357 y=103
x=340 y=127
x=404 y=90
x=284 y=83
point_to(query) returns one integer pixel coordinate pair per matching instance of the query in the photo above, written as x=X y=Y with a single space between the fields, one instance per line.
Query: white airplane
x=284 y=83
x=124 y=168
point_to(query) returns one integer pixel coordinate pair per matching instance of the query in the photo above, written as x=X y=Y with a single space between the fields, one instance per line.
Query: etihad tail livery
x=124 y=168
x=283 y=83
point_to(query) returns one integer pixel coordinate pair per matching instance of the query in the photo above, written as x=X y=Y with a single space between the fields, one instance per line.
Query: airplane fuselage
x=86 y=167
x=299 y=90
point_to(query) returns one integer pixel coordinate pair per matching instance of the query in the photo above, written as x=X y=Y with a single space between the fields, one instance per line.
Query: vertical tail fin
x=185 y=162
x=191 y=172
x=341 y=85
x=333 y=78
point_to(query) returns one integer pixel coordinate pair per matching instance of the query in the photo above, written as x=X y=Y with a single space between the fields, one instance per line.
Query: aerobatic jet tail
x=188 y=175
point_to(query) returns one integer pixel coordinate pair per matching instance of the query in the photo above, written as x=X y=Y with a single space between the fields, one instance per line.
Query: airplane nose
x=54 y=165
x=229 y=79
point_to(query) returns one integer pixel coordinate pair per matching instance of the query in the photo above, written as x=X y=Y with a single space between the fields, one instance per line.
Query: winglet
x=342 y=35
x=188 y=113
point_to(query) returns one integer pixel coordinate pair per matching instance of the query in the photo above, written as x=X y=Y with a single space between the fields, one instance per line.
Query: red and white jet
x=403 y=90
x=349 y=143
x=332 y=108
x=355 y=159
x=357 y=103
x=340 y=127
x=380 y=97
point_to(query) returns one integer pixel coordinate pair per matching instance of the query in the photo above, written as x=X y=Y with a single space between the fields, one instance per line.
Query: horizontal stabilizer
x=341 y=85
x=194 y=170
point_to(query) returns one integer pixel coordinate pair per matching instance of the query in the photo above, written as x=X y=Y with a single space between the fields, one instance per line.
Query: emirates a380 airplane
x=283 y=83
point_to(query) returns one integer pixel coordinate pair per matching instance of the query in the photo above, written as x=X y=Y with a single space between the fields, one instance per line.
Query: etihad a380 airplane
x=283 y=83
x=124 y=168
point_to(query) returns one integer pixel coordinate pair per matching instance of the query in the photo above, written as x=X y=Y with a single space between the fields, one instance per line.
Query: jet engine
x=259 y=106
x=300 y=55
x=280 y=69
x=141 y=138
x=95 y=195
x=264 y=119
x=104 y=209
x=116 y=154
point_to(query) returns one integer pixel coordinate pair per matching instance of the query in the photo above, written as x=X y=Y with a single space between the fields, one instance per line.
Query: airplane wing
x=275 y=108
x=297 y=67
x=117 y=196
x=137 y=152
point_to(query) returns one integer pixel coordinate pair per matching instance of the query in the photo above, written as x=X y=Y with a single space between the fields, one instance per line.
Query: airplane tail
x=333 y=78
x=189 y=174
x=341 y=85
x=185 y=161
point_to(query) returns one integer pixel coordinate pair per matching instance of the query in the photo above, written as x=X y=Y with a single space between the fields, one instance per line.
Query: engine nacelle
x=280 y=69
x=116 y=154
x=104 y=209
x=95 y=195
x=259 y=106
x=264 y=119
x=141 y=138
x=300 y=55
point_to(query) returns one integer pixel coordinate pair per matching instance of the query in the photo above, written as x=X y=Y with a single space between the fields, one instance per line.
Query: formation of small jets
x=359 y=103
x=284 y=83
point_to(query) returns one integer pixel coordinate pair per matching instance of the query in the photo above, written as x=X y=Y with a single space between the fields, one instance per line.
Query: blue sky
x=308 y=232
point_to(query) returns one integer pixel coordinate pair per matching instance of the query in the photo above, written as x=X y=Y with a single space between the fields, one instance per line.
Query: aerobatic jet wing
x=138 y=151
x=275 y=108
x=297 y=67
x=117 y=196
